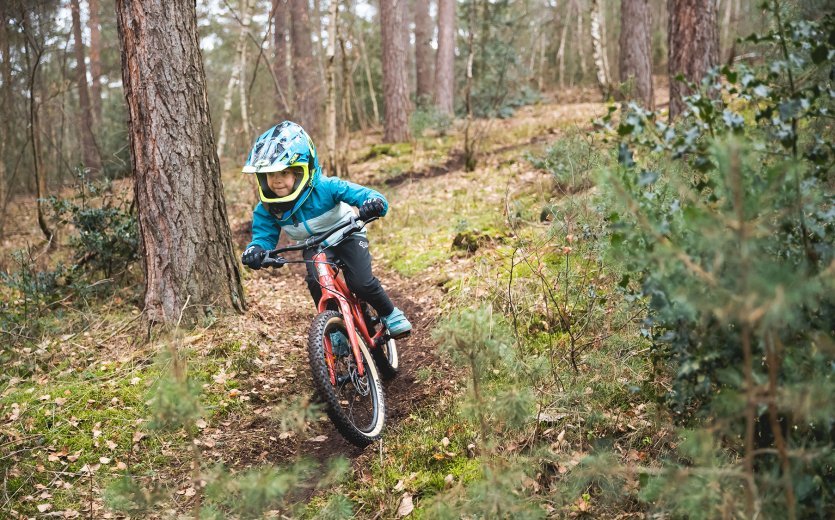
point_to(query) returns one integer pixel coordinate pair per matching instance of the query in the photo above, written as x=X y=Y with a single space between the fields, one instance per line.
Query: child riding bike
x=298 y=199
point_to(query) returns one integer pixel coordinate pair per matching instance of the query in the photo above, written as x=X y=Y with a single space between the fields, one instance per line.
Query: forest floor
x=79 y=419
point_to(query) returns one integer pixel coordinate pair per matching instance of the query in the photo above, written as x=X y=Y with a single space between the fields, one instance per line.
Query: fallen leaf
x=135 y=380
x=201 y=423
x=104 y=460
x=319 y=438
x=406 y=506
x=445 y=441
x=137 y=436
x=112 y=445
x=43 y=508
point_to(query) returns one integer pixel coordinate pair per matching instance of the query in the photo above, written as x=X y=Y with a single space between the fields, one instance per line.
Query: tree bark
x=89 y=151
x=599 y=50
x=304 y=69
x=95 y=59
x=693 y=45
x=580 y=38
x=330 y=76
x=395 y=85
x=236 y=78
x=282 y=95
x=445 y=57
x=423 y=51
x=186 y=242
x=636 y=50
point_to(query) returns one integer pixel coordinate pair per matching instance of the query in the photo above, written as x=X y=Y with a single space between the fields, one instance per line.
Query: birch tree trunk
x=598 y=50
x=580 y=38
x=32 y=47
x=234 y=79
x=95 y=59
x=280 y=68
x=395 y=84
x=4 y=109
x=636 y=50
x=693 y=45
x=423 y=51
x=330 y=75
x=190 y=266
x=246 y=12
x=306 y=84
x=445 y=58
x=561 y=50
x=85 y=116
x=371 y=92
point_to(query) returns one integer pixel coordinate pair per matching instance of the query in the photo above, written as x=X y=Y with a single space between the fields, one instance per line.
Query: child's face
x=282 y=182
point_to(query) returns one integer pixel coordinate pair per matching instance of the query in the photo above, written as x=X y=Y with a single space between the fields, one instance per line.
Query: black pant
x=353 y=252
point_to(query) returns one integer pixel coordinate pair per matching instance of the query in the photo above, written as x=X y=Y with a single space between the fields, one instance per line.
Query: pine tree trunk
x=190 y=266
x=330 y=77
x=306 y=86
x=395 y=85
x=423 y=51
x=85 y=117
x=445 y=58
x=598 y=50
x=693 y=44
x=280 y=69
x=95 y=59
x=636 y=49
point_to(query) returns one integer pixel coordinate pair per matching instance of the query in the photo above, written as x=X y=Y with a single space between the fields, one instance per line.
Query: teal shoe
x=339 y=343
x=397 y=324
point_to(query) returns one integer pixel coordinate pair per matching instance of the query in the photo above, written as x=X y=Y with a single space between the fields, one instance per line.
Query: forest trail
x=281 y=308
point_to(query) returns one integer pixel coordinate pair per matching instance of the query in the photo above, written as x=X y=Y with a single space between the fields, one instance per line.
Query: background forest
x=612 y=224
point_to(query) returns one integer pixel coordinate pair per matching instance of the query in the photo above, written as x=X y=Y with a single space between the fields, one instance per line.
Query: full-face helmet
x=283 y=146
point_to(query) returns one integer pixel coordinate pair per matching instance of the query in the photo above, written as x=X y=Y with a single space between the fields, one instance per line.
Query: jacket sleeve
x=265 y=232
x=353 y=194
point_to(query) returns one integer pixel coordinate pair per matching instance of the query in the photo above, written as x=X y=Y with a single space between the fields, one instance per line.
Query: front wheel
x=355 y=404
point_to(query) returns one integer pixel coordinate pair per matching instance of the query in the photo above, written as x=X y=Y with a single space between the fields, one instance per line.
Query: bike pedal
x=403 y=335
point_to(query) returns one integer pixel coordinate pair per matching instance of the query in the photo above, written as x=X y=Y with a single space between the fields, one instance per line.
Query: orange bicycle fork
x=333 y=288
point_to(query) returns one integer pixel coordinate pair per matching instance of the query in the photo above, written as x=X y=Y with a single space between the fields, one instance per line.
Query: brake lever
x=272 y=261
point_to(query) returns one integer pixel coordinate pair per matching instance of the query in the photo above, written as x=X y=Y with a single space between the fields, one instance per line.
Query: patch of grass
x=387 y=149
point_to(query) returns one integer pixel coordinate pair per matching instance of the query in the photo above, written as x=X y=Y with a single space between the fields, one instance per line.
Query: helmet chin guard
x=283 y=146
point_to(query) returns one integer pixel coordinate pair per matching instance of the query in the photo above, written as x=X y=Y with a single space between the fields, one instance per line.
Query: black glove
x=253 y=256
x=372 y=208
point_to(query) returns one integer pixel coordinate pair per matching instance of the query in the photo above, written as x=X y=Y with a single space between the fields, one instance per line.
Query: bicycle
x=348 y=382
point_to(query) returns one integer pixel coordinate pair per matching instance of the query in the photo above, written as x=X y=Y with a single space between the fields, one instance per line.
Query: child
x=297 y=198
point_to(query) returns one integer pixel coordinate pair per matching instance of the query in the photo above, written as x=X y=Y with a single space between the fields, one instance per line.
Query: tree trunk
x=423 y=51
x=347 y=115
x=95 y=60
x=85 y=117
x=636 y=50
x=561 y=50
x=4 y=109
x=330 y=76
x=371 y=92
x=280 y=68
x=246 y=130
x=445 y=58
x=598 y=50
x=186 y=242
x=32 y=46
x=395 y=85
x=693 y=45
x=304 y=69
x=580 y=38
x=234 y=79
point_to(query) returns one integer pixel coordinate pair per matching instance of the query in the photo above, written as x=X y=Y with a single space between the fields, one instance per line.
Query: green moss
x=388 y=149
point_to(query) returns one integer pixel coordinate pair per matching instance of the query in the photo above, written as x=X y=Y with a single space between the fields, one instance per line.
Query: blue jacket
x=320 y=207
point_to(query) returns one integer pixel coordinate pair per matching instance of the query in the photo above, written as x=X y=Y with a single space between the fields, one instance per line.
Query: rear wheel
x=355 y=404
x=385 y=356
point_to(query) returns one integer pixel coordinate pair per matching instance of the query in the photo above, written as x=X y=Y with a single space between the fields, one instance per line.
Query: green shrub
x=733 y=251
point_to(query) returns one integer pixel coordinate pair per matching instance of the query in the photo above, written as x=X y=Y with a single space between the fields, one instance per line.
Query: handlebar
x=272 y=258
